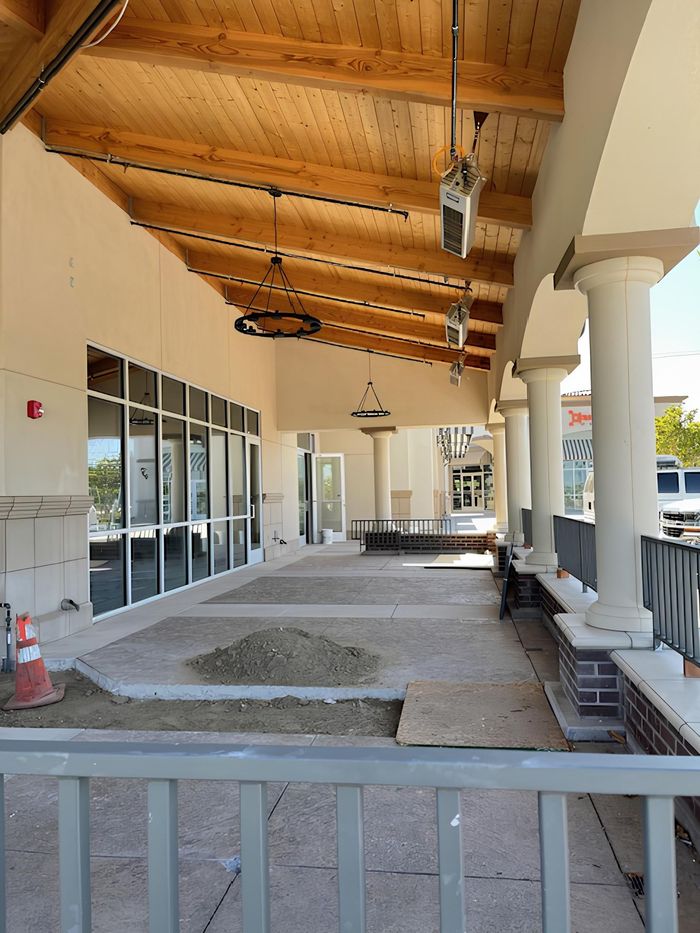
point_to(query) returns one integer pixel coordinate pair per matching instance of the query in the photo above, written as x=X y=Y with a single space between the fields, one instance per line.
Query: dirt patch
x=87 y=707
x=286 y=656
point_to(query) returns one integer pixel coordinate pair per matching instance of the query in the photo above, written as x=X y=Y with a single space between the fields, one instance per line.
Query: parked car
x=681 y=520
x=674 y=483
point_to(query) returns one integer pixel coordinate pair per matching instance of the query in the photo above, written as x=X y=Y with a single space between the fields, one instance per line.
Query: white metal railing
x=552 y=774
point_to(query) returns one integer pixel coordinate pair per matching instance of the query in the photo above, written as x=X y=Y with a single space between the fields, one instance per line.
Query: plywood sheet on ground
x=512 y=715
x=463 y=561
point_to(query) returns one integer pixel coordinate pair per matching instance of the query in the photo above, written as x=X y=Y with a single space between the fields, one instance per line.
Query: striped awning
x=577 y=448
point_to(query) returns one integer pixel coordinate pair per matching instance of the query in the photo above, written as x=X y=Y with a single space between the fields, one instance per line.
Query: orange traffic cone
x=33 y=686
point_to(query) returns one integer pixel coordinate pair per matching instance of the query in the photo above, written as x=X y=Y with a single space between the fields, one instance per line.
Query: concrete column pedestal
x=624 y=441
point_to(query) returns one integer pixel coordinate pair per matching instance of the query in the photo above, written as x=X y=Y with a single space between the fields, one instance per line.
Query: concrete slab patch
x=479 y=715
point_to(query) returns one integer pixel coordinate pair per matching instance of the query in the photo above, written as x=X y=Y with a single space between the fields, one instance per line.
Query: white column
x=498 y=432
x=624 y=445
x=381 y=441
x=546 y=466
x=517 y=440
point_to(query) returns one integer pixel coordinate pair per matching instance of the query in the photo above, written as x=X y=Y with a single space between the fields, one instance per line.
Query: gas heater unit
x=456 y=371
x=457 y=321
x=459 y=204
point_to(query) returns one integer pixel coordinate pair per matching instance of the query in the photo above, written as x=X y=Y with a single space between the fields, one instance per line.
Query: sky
x=675 y=335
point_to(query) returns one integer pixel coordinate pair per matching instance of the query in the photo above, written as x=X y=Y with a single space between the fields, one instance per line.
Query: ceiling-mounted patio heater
x=456 y=371
x=461 y=184
x=457 y=320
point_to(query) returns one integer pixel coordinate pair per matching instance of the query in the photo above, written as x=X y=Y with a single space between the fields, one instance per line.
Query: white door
x=330 y=490
x=255 y=512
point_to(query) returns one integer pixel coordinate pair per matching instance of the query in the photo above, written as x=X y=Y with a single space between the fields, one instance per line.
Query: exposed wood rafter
x=41 y=54
x=401 y=325
x=397 y=75
x=245 y=270
x=27 y=16
x=216 y=163
x=176 y=219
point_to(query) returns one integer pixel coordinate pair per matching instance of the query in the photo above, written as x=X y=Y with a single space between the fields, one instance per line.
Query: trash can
x=327 y=536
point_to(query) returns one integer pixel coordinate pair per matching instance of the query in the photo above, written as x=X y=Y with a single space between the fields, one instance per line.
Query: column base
x=619 y=618
x=517 y=537
x=502 y=528
x=546 y=559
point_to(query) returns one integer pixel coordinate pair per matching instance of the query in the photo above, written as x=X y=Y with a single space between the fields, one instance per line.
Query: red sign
x=579 y=417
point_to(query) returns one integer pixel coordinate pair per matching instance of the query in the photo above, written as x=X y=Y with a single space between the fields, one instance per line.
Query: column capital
x=379 y=432
x=515 y=406
x=496 y=427
x=645 y=269
x=546 y=368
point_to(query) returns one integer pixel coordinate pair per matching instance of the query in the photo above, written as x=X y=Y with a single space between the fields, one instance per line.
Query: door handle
x=252 y=510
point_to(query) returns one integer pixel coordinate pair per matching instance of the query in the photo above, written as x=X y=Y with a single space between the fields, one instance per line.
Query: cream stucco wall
x=318 y=386
x=73 y=271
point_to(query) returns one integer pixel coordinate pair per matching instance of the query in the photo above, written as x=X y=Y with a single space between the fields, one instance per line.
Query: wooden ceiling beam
x=27 y=16
x=324 y=245
x=244 y=272
x=212 y=162
x=391 y=345
x=348 y=315
x=397 y=75
x=41 y=53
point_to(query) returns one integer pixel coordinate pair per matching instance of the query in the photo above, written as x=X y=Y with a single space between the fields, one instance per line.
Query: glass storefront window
x=219 y=533
x=104 y=373
x=144 y=565
x=198 y=404
x=175 y=555
x=252 y=420
x=142 y=386
x=219 y=492
x=173 y=466
x=105 y=471
x=171 y=498
x=238 y=477
x=107 y=580
x=173 y=396
x=218 y=411
x=143 y=472
x=200 y=551
x=236 y=417
x=199 y=473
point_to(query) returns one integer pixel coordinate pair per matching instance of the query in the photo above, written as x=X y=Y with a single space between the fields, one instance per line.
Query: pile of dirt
x=286 y=656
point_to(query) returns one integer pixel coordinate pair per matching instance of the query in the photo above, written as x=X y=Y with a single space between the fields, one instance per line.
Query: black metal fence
x=359 y=527
x=527 y=525
x=671 y=585
x=574 y=541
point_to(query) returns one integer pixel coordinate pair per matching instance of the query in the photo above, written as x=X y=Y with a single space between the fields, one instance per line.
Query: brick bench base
x=428 y=543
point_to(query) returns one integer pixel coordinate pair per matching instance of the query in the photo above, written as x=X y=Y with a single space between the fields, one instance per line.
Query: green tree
x=678 y=435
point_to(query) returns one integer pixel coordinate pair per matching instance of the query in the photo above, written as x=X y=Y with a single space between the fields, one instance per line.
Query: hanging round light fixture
x=370 y=397
x=259 y=319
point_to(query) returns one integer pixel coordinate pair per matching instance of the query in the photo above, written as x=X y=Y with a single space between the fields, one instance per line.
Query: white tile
x=19 y=591
x=53 y=628
x=48 y=588
x=75 y=537
x=48 y=541
x=75 y=577
x=19 y=542
x=79 y=621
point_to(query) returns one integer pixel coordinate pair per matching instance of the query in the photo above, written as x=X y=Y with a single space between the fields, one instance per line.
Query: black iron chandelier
x=370 y=397
x=263 y=321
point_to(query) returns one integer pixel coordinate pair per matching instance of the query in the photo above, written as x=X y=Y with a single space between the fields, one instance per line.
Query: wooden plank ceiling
x=188 y=112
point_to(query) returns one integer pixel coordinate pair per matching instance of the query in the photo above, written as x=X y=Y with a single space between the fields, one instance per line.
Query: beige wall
x=318 y=386
x=74 y=271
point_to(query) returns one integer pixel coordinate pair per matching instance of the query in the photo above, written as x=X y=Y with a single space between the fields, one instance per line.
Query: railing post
x=351 y=859
x=163 y=899
x=74 y=854
x=661 y=913
x=450 y=861
x=255 y=880
x=554 y=863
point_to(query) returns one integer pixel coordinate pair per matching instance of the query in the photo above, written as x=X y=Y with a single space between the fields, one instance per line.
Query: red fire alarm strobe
x=34 y=409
